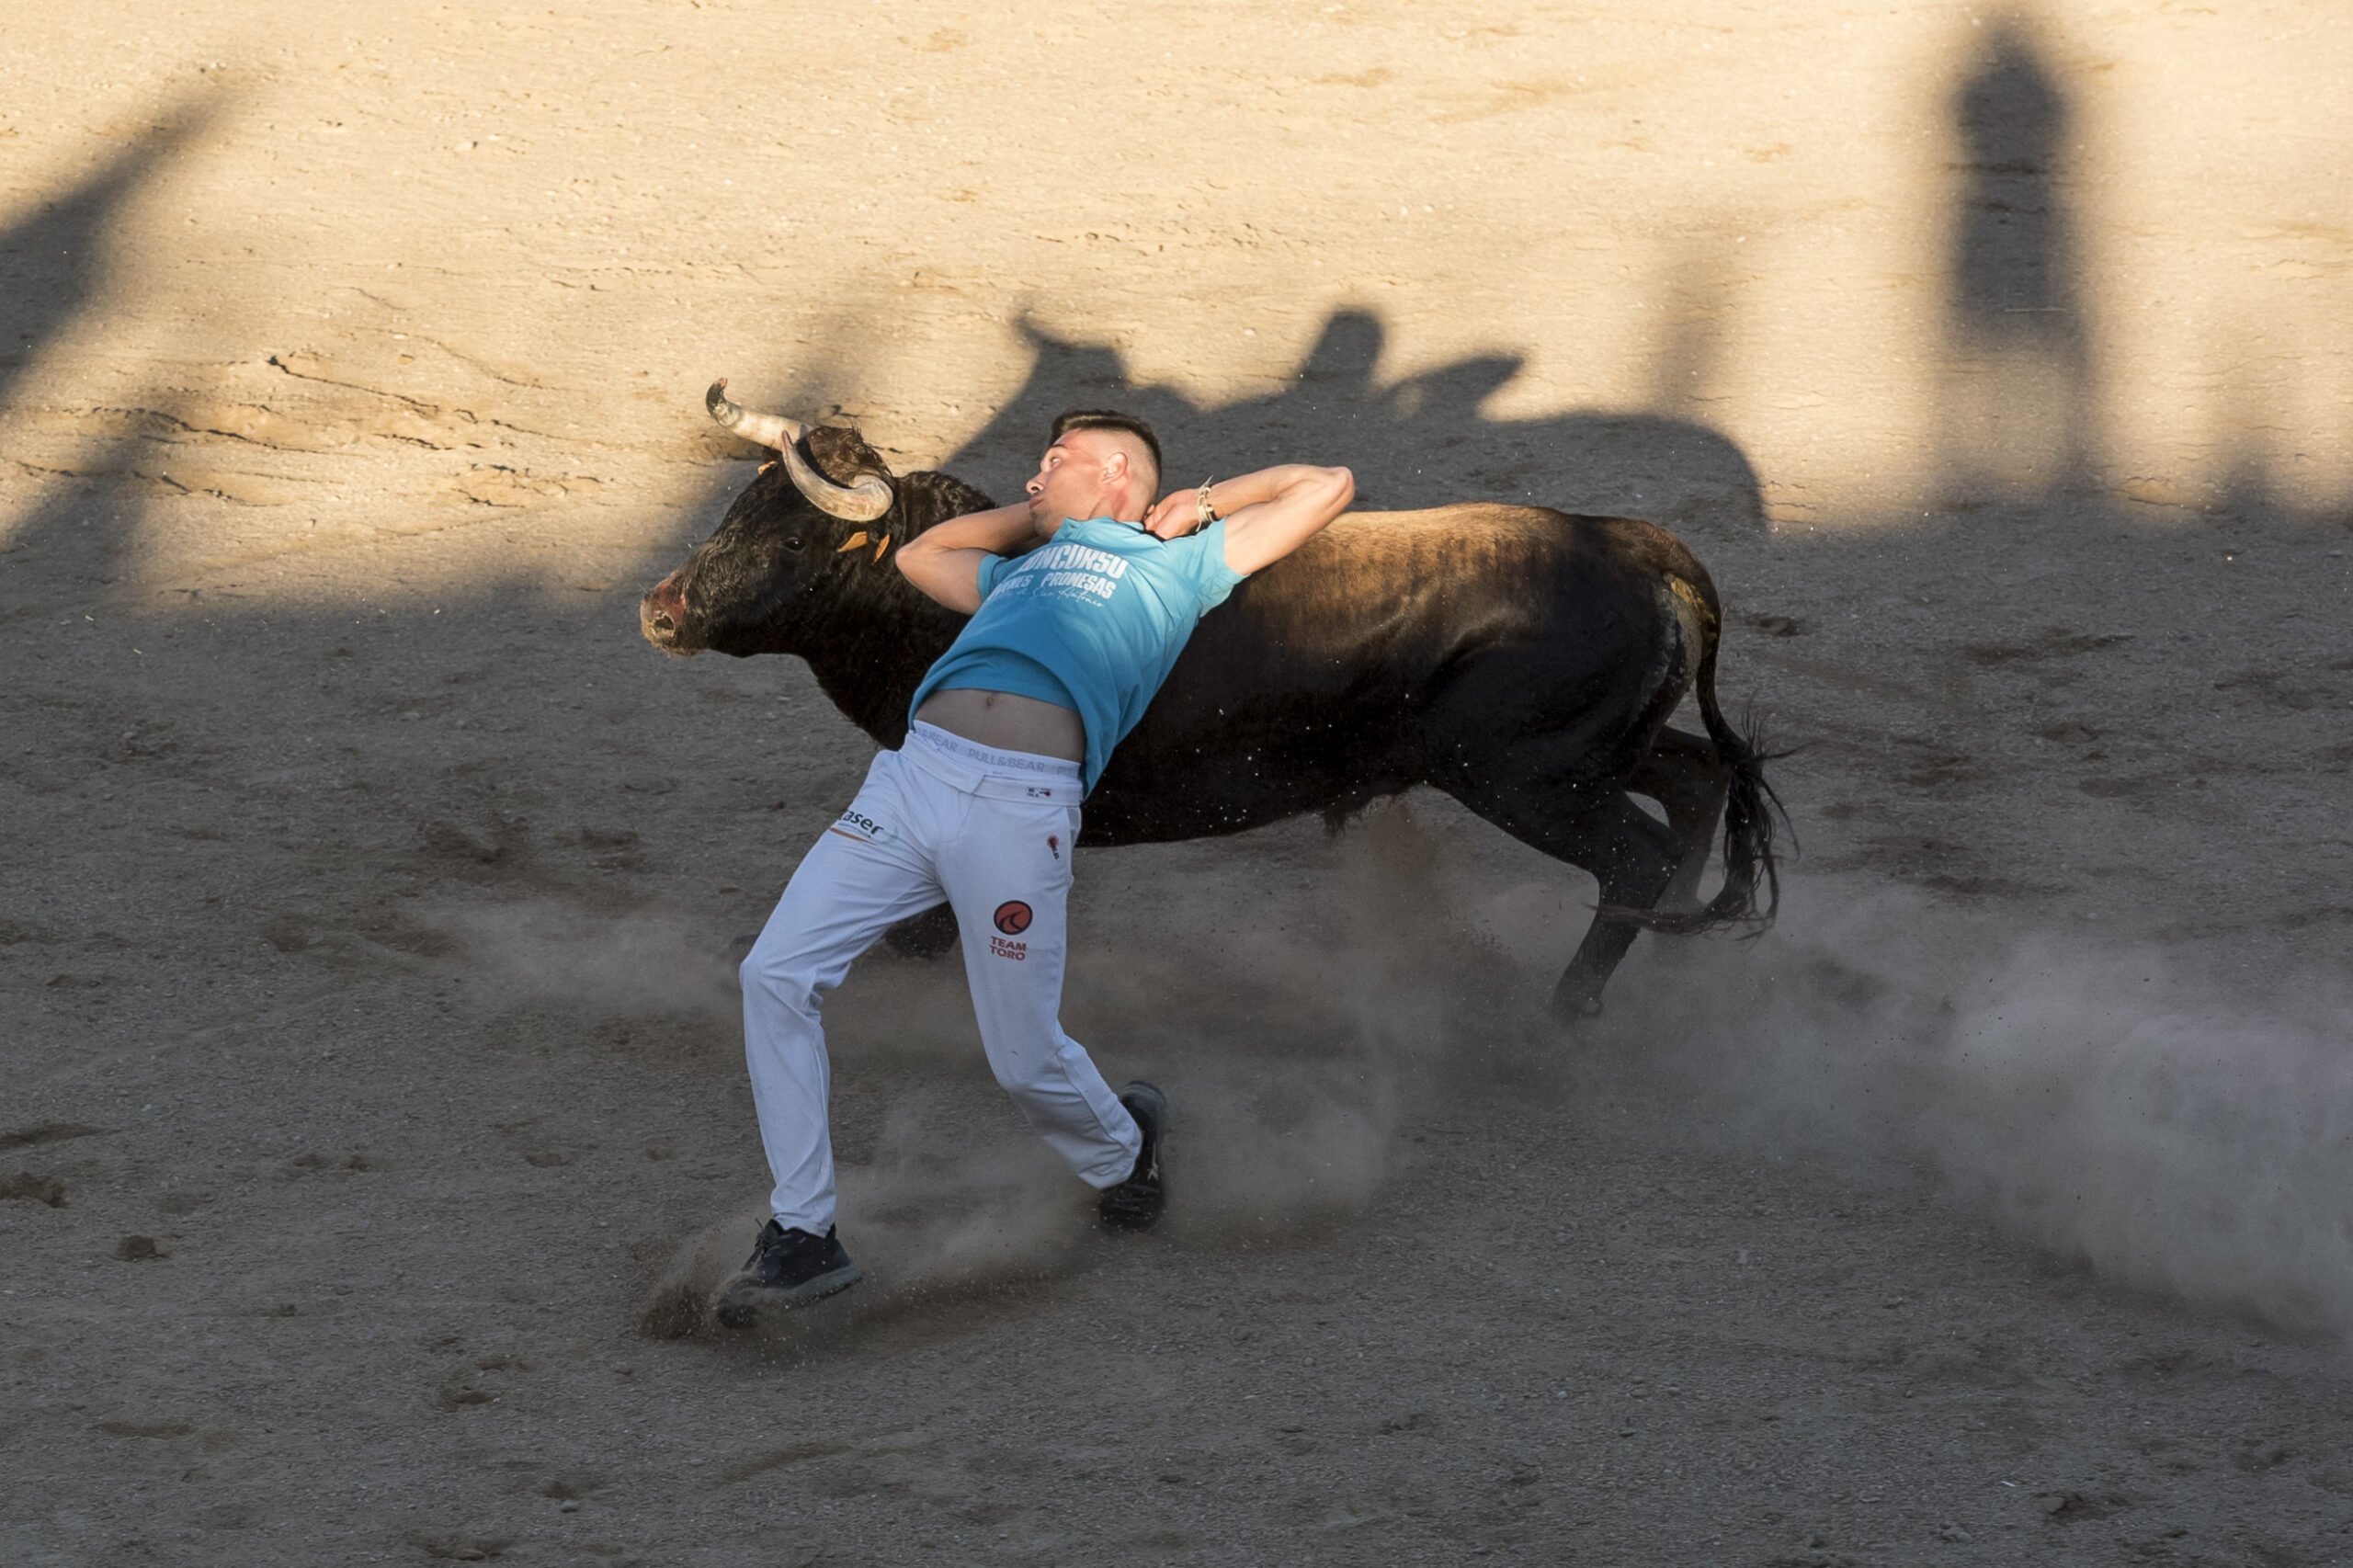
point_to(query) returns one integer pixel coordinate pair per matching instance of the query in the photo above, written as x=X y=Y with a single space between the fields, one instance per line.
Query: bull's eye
x=793 y=543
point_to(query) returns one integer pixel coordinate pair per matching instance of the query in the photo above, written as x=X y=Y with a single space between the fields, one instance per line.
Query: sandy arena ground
x=373 y=1103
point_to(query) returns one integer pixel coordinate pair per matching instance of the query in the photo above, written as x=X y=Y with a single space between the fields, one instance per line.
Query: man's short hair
x=1106 y=419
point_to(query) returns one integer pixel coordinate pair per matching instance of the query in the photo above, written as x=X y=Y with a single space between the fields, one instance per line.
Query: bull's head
x=814 y=523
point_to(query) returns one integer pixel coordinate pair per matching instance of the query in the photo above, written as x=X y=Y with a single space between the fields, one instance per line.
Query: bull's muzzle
x=659 y=613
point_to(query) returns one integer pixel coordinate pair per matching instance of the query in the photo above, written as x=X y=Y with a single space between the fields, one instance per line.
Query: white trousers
x=993 y=833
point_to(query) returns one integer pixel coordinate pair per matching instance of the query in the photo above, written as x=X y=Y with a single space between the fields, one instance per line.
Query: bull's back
x=1306 y=691
x=1387 y=597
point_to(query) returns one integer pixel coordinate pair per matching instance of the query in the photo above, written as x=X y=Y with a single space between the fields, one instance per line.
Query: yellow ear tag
x=767 y=465
x=852 y=542
x=884 y=545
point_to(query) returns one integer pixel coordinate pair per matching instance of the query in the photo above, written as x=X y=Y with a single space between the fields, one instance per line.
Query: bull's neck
x=868 y=655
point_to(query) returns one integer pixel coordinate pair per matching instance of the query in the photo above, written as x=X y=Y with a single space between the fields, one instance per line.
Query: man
x=1081 y=599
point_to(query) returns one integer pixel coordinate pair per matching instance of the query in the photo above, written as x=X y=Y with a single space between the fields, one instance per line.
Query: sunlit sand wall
x=287 y=280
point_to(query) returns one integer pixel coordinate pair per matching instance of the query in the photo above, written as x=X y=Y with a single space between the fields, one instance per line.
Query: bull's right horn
x=860 y=503
x=761 y=429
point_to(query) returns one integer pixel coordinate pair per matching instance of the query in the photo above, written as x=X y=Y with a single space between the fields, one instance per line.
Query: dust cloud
x=950 y=1207
x=637 y=963
x=933 y=1223
x=2124 y=1108
x=2127 y=1108
x=1286 y=1091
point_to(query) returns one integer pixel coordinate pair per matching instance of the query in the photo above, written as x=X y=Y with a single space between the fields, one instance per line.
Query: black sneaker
x=1135 y=1203
x=787 y=1268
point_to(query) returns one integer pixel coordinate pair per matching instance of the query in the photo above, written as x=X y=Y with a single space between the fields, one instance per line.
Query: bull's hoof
x=925 y=935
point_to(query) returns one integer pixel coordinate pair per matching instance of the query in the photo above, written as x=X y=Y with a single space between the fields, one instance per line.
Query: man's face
x=1074 y=477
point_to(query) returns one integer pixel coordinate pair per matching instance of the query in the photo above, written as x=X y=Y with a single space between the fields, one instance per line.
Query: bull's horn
x=762 y=429
x=859 y=503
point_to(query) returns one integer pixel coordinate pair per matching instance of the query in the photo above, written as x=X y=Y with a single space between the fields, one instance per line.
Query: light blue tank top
x=1091 y=620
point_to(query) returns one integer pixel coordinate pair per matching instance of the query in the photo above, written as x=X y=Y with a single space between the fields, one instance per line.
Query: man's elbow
x=930 y=581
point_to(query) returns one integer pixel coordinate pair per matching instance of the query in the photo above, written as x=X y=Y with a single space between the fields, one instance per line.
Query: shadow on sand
x=1419 y=441
x=56 y=265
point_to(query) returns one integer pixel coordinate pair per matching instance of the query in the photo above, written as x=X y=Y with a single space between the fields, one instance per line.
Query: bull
x=1525 y=660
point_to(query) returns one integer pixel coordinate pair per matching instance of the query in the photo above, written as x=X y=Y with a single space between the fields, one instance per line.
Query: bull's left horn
x=860 y=503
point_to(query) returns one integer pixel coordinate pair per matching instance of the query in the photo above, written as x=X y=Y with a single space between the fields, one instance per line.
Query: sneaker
x=787 y=1268
x=1135 y=1203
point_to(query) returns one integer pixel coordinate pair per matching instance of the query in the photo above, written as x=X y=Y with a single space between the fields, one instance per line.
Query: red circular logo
x=1012 y=917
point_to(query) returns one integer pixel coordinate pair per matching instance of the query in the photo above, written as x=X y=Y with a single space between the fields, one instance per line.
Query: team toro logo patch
x=1012 y=917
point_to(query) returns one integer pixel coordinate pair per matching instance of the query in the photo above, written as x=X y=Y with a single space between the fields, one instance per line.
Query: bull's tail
x=1750 y=805
x=1749 y=808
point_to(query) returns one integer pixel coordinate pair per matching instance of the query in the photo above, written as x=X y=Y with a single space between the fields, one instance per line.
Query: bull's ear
x=843 y=455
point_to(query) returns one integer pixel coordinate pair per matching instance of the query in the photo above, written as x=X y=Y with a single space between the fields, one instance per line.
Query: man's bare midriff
x=1003 y=721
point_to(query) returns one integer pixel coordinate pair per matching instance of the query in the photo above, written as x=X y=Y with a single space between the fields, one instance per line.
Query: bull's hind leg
x=1684 y=774
x=1629 y=852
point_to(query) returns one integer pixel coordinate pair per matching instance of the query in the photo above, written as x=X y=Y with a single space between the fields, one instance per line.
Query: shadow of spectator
x=1420 y=440
x=2021 y=403
x=55 y=265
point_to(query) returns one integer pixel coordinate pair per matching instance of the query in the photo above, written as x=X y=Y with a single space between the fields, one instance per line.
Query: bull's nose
x=661 y=610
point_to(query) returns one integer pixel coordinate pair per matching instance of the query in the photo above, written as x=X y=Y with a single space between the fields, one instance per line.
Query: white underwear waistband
x=997 y=775
x=994 y=761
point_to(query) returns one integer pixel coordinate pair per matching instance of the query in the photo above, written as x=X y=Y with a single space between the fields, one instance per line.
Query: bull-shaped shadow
x=1419 y=441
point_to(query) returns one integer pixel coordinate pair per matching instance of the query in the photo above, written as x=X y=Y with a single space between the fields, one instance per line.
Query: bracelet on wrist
x=1203 y=506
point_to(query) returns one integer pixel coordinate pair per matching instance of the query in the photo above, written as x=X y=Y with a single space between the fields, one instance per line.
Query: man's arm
x=944 y=560
x=1268 y=514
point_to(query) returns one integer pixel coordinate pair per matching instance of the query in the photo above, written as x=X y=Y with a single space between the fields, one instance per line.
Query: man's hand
x=944 y=560
x=1268 y=514
x=1175 y=515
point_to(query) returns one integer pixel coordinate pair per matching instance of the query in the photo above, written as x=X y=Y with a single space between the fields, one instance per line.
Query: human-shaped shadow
x=1419 y=441
x=2020 y=397
x=54 y=264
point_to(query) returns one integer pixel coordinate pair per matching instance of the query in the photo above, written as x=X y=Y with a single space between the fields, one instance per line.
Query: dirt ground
x=373 y=1103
